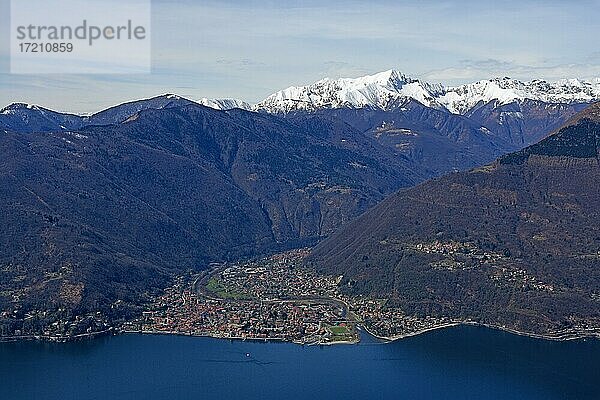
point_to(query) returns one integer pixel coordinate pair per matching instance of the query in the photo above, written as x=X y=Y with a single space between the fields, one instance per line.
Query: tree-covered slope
x=516 y=243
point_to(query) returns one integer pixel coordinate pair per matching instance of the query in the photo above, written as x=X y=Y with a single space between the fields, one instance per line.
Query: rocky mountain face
x=463 y=99
x=513 y=112
x=225 y=104
x=104 y=213
x=514 y=244
x=437 y=141
x=379 y=91
x=525 y=122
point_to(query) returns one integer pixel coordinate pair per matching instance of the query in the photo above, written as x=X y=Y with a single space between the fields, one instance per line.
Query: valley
x=102 y=212
x=273 y=298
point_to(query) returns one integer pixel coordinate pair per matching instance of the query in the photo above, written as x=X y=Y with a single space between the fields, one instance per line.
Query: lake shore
x=242 y=339
x=57 y=339
x=556 y=336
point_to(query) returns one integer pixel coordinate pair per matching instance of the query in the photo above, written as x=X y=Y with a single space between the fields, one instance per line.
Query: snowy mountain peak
x=171 y=96
x=225 y=104
x=463 y=98
x=381 y=90
x=390 y=79
x=11 y=108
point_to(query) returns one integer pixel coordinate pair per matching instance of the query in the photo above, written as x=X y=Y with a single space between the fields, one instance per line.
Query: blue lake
x=463 y=362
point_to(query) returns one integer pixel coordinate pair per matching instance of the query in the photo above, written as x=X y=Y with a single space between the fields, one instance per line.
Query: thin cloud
x=473 y=70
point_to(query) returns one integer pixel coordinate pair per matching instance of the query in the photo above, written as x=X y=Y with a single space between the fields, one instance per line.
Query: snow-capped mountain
x=520 y=113
x=382 y=91
x=390 y=89
x=464 y=98
x=225 y=104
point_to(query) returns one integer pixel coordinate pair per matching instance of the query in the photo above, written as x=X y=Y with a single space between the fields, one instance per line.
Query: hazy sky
x=249 y=49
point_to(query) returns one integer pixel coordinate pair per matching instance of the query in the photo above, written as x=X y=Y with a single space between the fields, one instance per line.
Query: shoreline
x=238 y=338
x=56 y=339
x=555 y=337
x=410 y=334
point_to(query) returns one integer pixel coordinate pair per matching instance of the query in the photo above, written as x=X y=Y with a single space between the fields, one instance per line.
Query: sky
x=250 y=49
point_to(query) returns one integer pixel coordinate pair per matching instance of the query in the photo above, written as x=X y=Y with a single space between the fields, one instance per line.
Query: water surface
x=463 y=362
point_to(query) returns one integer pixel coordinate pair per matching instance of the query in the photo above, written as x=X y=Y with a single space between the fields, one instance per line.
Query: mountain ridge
x=512 y=112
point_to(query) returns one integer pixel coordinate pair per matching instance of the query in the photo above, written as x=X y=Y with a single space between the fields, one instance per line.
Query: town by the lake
x=274 y=298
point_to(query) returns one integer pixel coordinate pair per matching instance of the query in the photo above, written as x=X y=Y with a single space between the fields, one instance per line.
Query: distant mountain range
x=514 y=244
x=439 y=128
x=388 y=90
x=515 y=112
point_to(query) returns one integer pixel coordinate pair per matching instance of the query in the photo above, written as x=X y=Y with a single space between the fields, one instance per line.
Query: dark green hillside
x=516 y=243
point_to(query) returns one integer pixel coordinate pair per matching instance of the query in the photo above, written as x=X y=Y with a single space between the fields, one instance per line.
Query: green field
x=340 y=333
x=339 y=330
x=217 y=287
